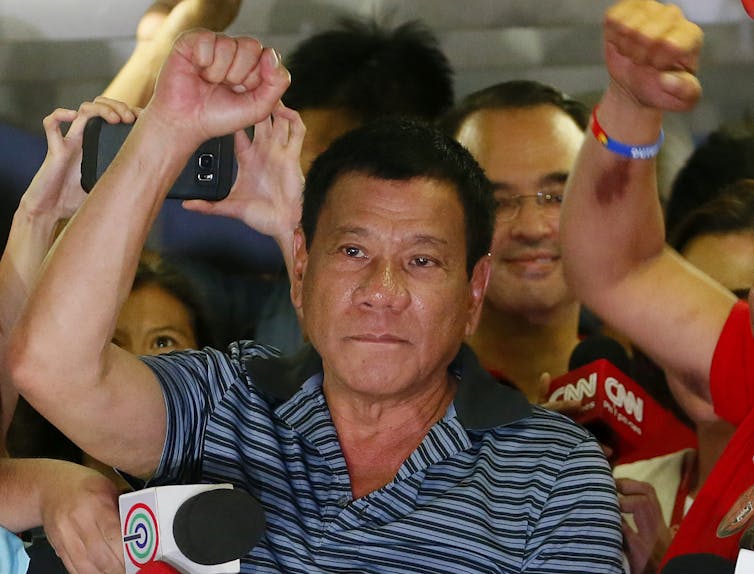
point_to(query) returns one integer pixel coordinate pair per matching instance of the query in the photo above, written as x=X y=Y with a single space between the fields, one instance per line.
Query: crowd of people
x=384 y=394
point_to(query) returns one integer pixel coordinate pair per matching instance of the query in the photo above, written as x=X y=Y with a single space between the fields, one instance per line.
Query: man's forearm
x=30 y=237
x=612 y=218
x=612 y=232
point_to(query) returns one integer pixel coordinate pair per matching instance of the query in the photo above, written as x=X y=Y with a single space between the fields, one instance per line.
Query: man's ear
x=300 y=258
x=480 y=277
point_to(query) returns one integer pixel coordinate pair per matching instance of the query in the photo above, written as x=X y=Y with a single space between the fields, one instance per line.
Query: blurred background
x=58 y=53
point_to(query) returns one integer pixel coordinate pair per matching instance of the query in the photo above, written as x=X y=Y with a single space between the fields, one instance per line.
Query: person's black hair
x=372 y=71
x=731 y=211
x=725 y=156
x=515 y=94
x=401 y=149
x=154 y=269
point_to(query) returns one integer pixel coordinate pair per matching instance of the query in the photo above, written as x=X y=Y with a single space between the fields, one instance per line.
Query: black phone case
x=207 y=175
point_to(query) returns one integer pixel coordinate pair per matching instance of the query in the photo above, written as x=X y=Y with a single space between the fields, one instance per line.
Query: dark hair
x=730 y=212
x=725 y=156
x=153 y=269
x=371 y=71
x=402 y=149
x=515 y=94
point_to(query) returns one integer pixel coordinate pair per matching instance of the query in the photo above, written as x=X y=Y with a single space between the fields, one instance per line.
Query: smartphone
x=209 y=173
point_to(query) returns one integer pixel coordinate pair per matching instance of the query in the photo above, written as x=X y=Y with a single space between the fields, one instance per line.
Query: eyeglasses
x=508 y=208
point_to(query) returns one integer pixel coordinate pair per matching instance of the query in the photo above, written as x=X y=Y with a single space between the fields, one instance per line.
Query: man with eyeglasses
x=526 y=136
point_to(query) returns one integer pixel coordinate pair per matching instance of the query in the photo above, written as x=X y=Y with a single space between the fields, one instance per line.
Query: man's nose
x=532 y=220
x=383 y=285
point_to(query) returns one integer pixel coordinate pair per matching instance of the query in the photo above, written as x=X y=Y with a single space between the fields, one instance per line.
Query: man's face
x=383 y=289
x=525 y=151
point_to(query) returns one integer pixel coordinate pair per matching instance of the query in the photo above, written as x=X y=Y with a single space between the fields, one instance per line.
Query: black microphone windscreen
x=699 y=564
x=43 y=559
x=218 y=526
x=599 y=347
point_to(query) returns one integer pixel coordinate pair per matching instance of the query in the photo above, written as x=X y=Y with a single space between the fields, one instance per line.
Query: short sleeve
x=580 y=526
x=732 y=369
x=193 y=383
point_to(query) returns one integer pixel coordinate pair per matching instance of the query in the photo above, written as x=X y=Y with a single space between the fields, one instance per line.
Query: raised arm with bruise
x=612 y=230
x=62 y=359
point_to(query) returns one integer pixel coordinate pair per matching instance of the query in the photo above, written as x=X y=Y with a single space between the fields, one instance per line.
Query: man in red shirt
x=617 y=263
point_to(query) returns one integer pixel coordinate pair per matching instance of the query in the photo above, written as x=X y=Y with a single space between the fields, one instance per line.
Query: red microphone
x=616 y=409
x=158 y=567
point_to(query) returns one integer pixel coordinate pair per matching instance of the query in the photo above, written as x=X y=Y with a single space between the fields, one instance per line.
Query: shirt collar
x=481 y=402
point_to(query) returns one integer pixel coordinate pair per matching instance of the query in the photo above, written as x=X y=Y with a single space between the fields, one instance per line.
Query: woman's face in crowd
x=153 y=322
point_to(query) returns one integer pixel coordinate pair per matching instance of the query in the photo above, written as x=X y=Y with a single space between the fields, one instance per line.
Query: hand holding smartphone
x=207 y=175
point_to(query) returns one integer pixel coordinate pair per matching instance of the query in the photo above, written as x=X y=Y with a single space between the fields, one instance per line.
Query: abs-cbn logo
x=615 y=391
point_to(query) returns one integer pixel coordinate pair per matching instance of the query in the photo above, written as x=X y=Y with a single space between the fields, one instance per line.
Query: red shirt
x=730 y=485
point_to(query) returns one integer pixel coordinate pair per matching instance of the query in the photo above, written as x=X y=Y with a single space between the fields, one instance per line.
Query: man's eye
x=423 y=262
x=506 y=203
x=351 y=251
x=164 y=342
x=553 y=198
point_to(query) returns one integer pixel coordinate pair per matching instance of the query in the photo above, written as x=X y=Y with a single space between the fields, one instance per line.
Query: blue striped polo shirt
x=496 y=485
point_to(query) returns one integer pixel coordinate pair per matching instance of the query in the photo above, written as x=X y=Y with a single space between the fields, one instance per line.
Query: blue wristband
x=630 y=151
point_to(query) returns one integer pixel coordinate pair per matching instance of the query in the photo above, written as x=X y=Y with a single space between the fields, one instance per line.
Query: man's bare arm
x=61 y=357
x=52 y=197
x=612 y=230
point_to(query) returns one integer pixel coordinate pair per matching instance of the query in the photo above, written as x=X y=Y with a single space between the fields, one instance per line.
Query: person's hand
x=645 y=545
x=212 y=85
x=569 y=408
x=652 y=54
x=56 y=189
x=80 y=517
x=267 y=192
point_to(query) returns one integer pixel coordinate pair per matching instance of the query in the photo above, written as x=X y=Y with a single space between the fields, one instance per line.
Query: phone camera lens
x=206 y=160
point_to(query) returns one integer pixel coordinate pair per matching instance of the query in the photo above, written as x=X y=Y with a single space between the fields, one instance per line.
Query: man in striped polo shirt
x=382 y=446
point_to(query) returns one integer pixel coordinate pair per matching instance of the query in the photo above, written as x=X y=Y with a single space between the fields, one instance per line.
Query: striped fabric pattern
x=534 y=495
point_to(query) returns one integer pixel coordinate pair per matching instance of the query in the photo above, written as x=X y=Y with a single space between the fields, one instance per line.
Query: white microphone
x=196 y=528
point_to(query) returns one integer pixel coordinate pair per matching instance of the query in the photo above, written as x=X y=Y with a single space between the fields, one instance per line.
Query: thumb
x=200 y=206
x=681 y=88
x=544 y=386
